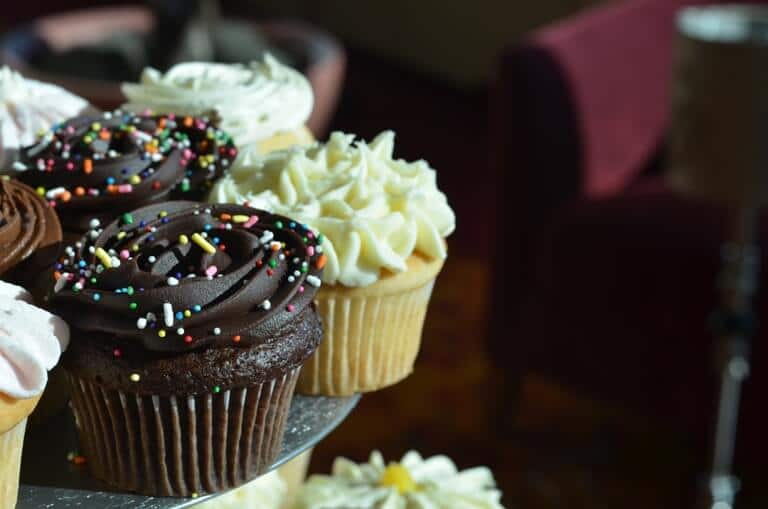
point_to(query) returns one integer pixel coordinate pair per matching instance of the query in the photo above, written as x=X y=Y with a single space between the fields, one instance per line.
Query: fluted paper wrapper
x=369 y=342
x=179 y=446
x=11 y=443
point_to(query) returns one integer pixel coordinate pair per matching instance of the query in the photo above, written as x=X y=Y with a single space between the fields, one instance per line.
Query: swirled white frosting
x=432 y=483
x=265 y=492
x=28 y=107
x=253 y=102
x=374 y=211
x=31 y=342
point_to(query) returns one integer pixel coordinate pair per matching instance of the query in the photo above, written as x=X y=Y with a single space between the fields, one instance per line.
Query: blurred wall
x=455 y=39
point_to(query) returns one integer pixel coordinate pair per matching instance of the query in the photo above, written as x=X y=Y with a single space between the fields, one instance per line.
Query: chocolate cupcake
x=94 y=168
x=30 y=234
x=190 y=324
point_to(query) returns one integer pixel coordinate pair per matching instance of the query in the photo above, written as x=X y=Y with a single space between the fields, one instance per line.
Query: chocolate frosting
x=98 y=166
x=29 y=228
x=184 y=292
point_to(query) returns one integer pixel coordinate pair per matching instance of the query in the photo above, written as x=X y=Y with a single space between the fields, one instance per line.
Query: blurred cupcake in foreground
x=31 y=341
x=29 y=107
x=94 y=168
x=266 y=492
x=190 y=323
x=414 y=482
x=263 y=105
x=383 y=222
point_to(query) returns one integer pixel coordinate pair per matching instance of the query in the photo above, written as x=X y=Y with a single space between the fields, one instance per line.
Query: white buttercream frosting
x=28 y=107
x=375 y=211
x=253 y=102
x=265 y=492
x=31 y=342
x=413 y=483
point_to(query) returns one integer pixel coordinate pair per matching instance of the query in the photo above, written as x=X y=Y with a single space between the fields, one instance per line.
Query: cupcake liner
x=181 y=445
x=370 y=341
x=11 y=443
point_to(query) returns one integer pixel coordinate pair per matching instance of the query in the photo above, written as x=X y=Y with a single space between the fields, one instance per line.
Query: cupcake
x=263 y=105
x=31 y=341
x=190 y=325
x=30 y=235
x=384 y=222
x=413 y=482
x=266 y=492
x=94 y=168
x=28 y=107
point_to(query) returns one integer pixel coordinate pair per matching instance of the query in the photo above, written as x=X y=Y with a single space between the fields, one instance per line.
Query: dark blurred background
x=567 y=345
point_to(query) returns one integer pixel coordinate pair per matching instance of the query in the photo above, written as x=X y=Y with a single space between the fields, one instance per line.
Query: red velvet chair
x=607 y=277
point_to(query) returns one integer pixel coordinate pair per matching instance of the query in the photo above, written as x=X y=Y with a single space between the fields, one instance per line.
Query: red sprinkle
x=187 y=338
x=116 y=352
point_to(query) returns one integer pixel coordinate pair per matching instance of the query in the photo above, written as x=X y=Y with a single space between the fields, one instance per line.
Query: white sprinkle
x=216 y=331
x=115 y=262
x=141 y=323
x=151 y=259
x=168 y=314
x=296 y=273
x=172 y=281
x=266 y=237
x=266 y=305
x=318 y=249
x=291 y=279
x=53 y=193
x=60 y=282
x=95 y=223
x=314 y=281
x=19 y=166
x=180 y=331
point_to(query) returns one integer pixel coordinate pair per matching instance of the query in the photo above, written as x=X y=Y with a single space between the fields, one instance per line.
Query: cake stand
x=49 y=480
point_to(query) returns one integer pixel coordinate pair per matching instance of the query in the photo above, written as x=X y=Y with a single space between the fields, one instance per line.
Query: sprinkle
x=135 y=377
x=187 y=339
x=216 y=389
x=266 y=237
x=216 y=331
x=250 y=222
x=141 y=323
x=135 y=179
x=133 y=305
x=211 y=271
x=291 y=308
x=180 y=331
x=203 y=244
x=266 y=305
x=321 y=261
x=103 y=257
x=125 y=188
x=161 y=333
x=88 y=166
x=197 y=308
x=311 y=251
x=301 y=289
x=97 y=297
x=183 y=239
x=126 y=218
x=225 y=217
x=172 y=281
x=187 y=313
x=151 y=259
x=236 y=338
x=116 y=352
x=168 y=314
x=279 y=224
x=79 y=459
x=125 y=254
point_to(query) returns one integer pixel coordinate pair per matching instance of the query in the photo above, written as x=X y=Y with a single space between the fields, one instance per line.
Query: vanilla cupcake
x=28 y=107
x=263 y=106
x=382 y=224
x=414 y=482
x=31 y=341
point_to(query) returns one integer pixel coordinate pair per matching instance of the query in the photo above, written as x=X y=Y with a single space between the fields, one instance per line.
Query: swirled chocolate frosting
x=99 y=166
x=29 y=228
x=178 y=282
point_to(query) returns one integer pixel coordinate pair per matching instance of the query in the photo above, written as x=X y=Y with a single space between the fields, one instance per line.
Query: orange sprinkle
x=65 y=196
x=161 y=123
x=88 y=166
x=104 y=134
x=111 y=189
x=80 y=191
x=187 y=122
x=321 y=261
x=56 y=275
x=225 y=217
x=275 y=247
x=236 y=339
x=79 y=460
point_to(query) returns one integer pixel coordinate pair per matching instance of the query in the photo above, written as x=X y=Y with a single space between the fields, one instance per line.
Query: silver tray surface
x=50 y=481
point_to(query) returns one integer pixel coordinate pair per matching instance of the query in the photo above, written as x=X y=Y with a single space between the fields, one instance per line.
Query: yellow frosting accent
x=397 y=476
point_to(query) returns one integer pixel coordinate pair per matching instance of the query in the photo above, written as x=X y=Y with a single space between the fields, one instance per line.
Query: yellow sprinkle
x=163 y=214
x=183 y=239
x=95 y=126
x=135 y=377
x=40 y=191
x=204 y=244
x=187 y=313
x=161 y=333
x=239 y=218
x=135 y=247
x=135 y=179
x=121 y=235
x=103 y=257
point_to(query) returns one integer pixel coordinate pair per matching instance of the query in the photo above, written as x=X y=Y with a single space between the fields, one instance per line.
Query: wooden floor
x=549 y=447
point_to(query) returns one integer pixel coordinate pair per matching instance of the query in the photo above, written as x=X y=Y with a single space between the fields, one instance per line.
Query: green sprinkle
x=185 y=185
x=278 y=224
x=127 y=218
x=94 y=280
x=320 y=238
x=273 y=263
x=129 y=290
x=216 y=389
x=133 y=305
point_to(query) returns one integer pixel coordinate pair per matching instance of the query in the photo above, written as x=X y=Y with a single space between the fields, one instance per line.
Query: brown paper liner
x=370 y=342
x=181 y=445
x=11 y=443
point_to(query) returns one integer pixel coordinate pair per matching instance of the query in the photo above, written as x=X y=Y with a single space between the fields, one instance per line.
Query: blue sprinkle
x=292 y=224
x=207 y=227
x=196 y=308
x=179 y=315
x=216 y=240
x=142 y=223
x=82 y=263
x=164 y=220
x=110 y=180
x=97 y=297
x=178 y=275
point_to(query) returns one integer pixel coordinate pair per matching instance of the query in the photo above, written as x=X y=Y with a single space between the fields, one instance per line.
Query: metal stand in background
x=734 y=324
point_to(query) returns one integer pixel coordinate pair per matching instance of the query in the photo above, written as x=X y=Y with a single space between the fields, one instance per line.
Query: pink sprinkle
x=211 y=271
x=93 y=192
x=251 y=221
x=186 y=154
x=310 y=235
x=124 y=254
x=70 y=129
x=310 y=251
x=171 y=116
x=232 y=152
x=291 y=308
x=66 y=147
x=301 y=289
x=125 y=188
x=70 y=166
